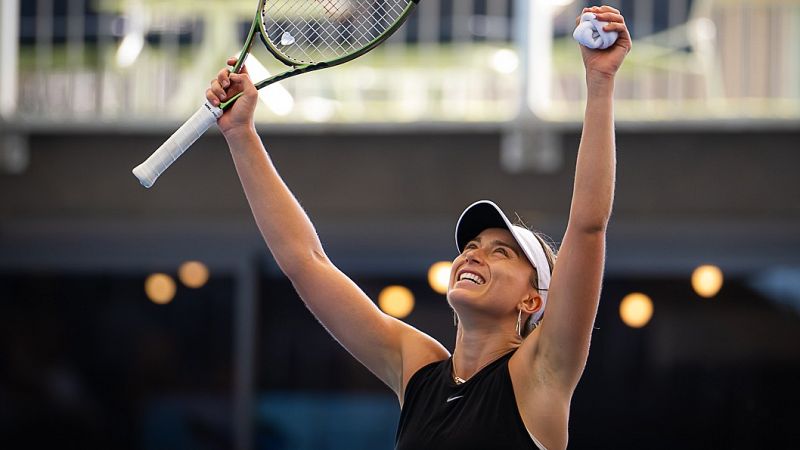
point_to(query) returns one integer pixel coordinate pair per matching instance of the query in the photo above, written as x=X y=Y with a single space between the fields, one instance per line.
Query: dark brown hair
x=551 y=253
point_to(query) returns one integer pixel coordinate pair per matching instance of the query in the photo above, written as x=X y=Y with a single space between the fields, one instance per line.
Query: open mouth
x=473 y=277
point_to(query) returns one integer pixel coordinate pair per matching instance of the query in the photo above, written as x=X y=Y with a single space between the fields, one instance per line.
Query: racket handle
x=148 y=171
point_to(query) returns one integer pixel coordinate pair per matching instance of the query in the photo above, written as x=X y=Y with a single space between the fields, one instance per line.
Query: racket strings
x=308 y=31
x=347 y=34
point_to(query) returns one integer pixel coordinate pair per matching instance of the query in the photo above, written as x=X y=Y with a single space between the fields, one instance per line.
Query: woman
x=504 y=387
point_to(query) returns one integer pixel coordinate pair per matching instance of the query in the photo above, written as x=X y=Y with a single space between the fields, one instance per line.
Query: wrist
x=599 y=84
x=239 y=132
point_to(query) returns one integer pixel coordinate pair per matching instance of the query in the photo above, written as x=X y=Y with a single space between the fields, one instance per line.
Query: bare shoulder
x=418 y=350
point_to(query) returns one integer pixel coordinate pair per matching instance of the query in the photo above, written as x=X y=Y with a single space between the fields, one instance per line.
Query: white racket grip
x=148 y=171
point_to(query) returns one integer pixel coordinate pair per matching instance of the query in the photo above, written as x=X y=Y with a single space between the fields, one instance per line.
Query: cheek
x=454 y=268
x=515 y=283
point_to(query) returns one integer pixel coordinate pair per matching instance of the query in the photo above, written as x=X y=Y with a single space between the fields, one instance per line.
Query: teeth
x=471 y=277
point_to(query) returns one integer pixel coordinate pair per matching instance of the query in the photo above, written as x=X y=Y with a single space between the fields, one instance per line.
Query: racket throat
x=248 y=44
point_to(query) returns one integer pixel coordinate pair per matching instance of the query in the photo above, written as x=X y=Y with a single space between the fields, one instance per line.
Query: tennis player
x=510 y=380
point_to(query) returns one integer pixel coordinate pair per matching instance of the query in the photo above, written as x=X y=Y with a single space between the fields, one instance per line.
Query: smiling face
x=491 y=275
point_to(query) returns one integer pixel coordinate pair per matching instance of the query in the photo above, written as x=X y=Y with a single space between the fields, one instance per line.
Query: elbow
x=590 y=216
x=302 y=263
x=591 y=226
x=594 y=228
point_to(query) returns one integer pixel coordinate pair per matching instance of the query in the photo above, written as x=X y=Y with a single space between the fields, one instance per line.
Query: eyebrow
x=513 y=248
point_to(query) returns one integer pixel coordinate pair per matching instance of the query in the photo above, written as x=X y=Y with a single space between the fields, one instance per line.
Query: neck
x=478 y=346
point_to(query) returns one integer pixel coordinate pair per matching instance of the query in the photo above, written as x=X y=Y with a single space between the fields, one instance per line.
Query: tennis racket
x=305 y=35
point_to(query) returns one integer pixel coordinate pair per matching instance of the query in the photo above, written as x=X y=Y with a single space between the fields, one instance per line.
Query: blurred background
x=156 y=319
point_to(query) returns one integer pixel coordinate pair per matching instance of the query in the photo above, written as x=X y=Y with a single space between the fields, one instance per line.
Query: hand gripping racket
x=305 y=35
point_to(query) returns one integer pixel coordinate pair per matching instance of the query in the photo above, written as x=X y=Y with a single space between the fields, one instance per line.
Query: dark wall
x=681 y=196
x=686 y=175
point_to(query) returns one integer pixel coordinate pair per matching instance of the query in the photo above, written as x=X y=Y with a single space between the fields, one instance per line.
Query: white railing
x=716 y=60
x=456 y=61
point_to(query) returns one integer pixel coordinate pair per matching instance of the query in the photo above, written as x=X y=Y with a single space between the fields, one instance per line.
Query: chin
x=461 y=296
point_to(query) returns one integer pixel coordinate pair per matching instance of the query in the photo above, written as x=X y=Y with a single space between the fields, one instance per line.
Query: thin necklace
x=459 y=380
x=456 y=378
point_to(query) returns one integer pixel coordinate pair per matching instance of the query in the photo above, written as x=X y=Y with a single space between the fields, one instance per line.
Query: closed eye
x=508 y=248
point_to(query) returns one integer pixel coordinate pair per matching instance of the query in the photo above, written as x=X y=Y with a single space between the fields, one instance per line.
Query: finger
x=615 y=26
x=223 y=78
x=610 y=17
x=212 y=97
x=249 y=90
x=243 y=69
x=232 y=62
x=241 y=81
x=624 y=39
x=604 y=8
x=620 y=28
x=218 y=91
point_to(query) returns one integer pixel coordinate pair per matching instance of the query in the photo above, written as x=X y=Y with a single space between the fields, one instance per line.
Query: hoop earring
x=519 y=323
x=455 y=319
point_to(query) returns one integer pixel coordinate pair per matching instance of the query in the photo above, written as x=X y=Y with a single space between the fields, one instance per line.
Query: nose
x=472 y=256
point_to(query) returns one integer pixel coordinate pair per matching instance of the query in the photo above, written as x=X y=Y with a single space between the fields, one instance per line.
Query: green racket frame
x=298 y=67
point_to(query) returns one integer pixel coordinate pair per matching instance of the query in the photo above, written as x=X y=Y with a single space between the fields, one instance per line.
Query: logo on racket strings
x=287 y=38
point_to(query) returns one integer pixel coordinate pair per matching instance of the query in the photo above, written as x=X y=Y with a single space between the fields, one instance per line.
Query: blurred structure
x=472 y=99
x=140 y=61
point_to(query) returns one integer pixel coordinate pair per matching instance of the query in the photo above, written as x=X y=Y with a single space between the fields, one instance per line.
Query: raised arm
x=574 y=293
x=383 y=344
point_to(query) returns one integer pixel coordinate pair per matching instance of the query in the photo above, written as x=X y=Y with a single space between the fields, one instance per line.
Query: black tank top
x=480 y=414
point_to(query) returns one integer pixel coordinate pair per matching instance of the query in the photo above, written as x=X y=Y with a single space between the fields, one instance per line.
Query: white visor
x=485 y=214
